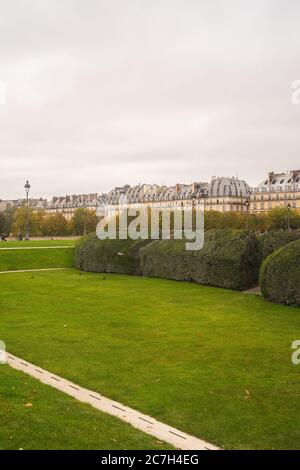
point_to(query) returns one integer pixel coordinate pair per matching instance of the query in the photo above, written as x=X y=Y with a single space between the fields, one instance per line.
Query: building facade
x=156 y=196
x=277 y=190
x=67 y=205
x=36 y=204
x=222 y=194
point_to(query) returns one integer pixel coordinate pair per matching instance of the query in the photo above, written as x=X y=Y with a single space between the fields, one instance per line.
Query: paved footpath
x=254 y=290
x=138 y=420
x=32 y=270
x=10 y=248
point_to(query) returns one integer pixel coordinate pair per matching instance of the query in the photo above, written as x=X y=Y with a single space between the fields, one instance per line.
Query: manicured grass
x=11 y=260
x=211 y=362
x=31 y=243
x=52 y=420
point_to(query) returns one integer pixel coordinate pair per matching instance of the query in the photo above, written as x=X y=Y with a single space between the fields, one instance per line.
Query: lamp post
x=247 y=215
x=27 y=188
x=84 y=218
x=19 y=226
x=194 y=200
x=288 y=217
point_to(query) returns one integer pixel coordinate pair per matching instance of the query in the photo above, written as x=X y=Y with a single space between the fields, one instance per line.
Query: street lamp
x=19 y=226
x=288 y=217
x=194 y=200
x=247 y=203
x=27 y=188
x=84 y=218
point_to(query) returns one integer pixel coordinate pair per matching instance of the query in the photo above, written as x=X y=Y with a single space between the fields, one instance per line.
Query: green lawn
x=211 y=362
x=56 y=421
x=31 y=243
x=11 y=260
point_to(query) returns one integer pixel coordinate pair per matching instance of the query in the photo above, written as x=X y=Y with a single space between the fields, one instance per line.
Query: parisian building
x=222 y=194
x=277 y=190
x=67 y=205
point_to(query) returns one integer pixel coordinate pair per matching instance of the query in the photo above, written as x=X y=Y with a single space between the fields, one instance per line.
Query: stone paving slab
x=144 y=423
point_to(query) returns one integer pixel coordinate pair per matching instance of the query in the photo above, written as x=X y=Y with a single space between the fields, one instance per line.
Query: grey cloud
x=105 y=93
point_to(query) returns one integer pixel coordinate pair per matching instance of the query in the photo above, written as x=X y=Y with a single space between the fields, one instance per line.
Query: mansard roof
x=224 y=187
x=279 y=181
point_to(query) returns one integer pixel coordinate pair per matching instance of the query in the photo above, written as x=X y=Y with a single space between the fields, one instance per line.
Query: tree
x=35 y=221
x=6 y=220
x=84 y=221
x=283 y=217
x=213 y=219
x=55 y=225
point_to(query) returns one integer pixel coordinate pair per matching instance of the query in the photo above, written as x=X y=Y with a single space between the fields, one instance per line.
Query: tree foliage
x=84 y=221
x=55 y=225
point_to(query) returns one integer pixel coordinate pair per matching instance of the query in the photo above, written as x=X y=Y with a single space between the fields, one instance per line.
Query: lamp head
x=27 y=186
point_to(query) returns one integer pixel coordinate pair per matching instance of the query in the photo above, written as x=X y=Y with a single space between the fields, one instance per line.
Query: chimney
x=271 y=176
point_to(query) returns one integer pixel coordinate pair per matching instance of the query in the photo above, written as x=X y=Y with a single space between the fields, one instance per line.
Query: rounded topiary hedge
x=228 y=259
x=109 y=256
x=167 y=259
x=280 y=275
x=275 y=239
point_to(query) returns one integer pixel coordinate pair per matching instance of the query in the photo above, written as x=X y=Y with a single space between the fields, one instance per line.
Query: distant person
x=3 y=237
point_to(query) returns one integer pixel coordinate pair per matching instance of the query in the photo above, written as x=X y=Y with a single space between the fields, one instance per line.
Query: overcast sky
x=106 y=92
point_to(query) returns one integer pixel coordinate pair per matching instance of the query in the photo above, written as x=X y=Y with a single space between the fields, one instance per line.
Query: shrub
x=167 y=259
x=271 y=241
x=109 y=256
x=280 y=275
x=228 y=259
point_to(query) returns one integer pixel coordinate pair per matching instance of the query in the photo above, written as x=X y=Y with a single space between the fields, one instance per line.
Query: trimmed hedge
x=109 y=256
x=167 y=259
x=275 y=239
x=280 y=275
x=229 y=259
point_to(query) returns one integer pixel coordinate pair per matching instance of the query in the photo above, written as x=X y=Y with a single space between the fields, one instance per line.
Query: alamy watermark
x=295 y=98
x=3 y=358
x=2 y=92
x=139 y=221
x=296 y=354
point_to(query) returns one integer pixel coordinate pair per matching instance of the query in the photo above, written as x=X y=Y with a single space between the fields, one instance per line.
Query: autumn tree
x=35 y=219
x=84 y=221
x=55 y=225
x=284 y=218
